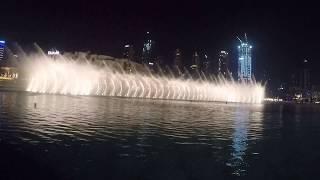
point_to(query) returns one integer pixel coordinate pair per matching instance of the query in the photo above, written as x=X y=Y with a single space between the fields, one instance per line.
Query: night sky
x=282 y=34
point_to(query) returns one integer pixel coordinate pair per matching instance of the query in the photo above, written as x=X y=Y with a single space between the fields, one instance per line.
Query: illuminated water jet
x=71 y=77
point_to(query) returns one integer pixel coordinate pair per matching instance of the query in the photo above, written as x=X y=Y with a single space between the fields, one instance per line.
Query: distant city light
x=127 y=46
x=194 y=66
x=2 y=42
x=53 y=52
x=224 y=52
x=151 y=63
x=148 y=45
x=297 y=96
x=273 y=99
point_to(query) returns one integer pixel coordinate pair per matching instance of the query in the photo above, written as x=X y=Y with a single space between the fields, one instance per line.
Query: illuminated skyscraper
x=147 y=51
x=2 y=46
x=244 y=60
x=223 y=63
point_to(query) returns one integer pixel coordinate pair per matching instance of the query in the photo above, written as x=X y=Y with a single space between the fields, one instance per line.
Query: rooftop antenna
x=245 y=36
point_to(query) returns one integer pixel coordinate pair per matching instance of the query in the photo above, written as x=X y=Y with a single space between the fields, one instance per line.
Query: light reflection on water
x=240 y=137
x=141 y=138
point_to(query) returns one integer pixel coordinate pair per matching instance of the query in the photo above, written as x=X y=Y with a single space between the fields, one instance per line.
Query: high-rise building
x=147 y=51
x=2 y=47
x=195 y=61
x=206 y=65
x=177 y=58
x=159 y=60
x=244 y=60
x=305 y=83
x=128 y=52
x=223 y=63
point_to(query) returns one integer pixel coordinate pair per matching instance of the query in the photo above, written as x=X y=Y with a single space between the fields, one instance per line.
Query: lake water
x=81 y=137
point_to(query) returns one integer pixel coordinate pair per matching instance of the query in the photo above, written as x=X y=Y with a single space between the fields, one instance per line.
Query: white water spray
x=69 y=77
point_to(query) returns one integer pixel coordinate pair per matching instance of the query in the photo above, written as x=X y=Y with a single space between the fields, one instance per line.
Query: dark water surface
x=72 y=137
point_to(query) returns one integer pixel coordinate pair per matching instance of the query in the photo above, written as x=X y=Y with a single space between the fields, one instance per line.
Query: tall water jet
x=63 y=75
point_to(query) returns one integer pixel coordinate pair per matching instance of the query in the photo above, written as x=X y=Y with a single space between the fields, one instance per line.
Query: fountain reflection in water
x=71 y=77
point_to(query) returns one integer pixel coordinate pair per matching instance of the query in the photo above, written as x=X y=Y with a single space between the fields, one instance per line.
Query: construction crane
x=239 y=40
x=245 y=38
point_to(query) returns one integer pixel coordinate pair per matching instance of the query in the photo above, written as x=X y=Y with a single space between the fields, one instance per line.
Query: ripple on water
x=102 y=128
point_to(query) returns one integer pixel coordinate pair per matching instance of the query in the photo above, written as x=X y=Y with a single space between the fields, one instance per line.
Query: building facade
x=147 y=51
x=305 y=82
x=223 y=64
x=2 y=48
x=244 y=61
x=128 y=52
x=206 y=64
x=195 y=61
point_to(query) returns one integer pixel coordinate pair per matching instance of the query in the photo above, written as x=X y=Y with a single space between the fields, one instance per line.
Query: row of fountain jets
x=69 y=77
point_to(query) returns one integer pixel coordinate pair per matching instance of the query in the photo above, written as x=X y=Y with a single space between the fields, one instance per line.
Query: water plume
x=69 y=76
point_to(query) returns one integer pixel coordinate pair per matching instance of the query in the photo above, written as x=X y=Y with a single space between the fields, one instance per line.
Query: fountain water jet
x=73 y=77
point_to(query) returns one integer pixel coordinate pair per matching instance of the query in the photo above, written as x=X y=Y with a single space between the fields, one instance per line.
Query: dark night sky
x=282 y=33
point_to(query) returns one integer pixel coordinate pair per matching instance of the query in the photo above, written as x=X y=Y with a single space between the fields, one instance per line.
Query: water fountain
x=66 y=76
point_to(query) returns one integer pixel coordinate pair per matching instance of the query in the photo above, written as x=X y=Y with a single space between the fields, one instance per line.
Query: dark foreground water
x=68 y=137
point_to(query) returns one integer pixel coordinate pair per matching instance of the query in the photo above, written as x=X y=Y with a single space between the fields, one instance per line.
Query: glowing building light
x=53 y=52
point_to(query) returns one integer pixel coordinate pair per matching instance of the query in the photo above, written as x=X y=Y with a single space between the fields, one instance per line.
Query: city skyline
x=282 y=38
x=159 y=90
x=148 y=54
